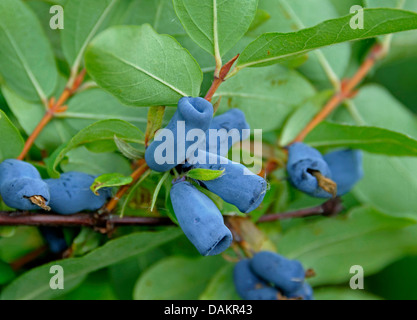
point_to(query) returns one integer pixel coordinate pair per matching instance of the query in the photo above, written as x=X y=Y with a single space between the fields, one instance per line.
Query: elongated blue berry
x=268 y=293
x=71 y=193
x=304 y=165
x=200 y=219
x=286 y=275
x=226 y=130
x=55 y=238
x=237 y=185
x=245 y=280
x=21 y=186
x=170 y=146
x=346 y=168
x=304 y=293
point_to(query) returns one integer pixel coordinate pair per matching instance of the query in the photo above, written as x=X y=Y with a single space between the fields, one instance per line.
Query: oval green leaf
x=142 y=68
x=269 y=48
x=26 y=59
x=215 y=25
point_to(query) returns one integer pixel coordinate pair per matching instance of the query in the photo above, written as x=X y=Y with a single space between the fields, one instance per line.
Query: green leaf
x=11 y=142
x=155 y=117
x=110 y=180
x=127 y=150
x=216 y=25
x=83 y=20
x=403 y=45
x=34 y=284
x=260 y=93
x=302 y=116
x=6 y=273
x=221 y=286
x=142 y=68
x=176 y=278
x=124 y=282
x=332 y=246
x=94 y=287
x=158 y=188
x=261 y=17
x=132 y=192
x=8 y=231
x=29 y=114
x=86 y=241
x=294 y=15
x=95 y=104
x=389 y=183
x=204 y=174
x=26 y=60
x=160 y=14
x=213 y=197
x=81 y=159
x=269 y=48
x=101 y=132
x=41 y=9
x=23 y=241
x=343 y=294
x=370 y=139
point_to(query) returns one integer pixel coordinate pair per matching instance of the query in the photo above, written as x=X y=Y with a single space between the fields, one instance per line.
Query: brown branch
x=136 y=175
x=347 y=91
x=329 y=208
x=22 y=261
x=76 y=220
x=104 y=222
x=53 y=108
x=220 y=79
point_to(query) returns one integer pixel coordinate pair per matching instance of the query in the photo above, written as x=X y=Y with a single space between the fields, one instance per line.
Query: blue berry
x=71 y=193
x=245 y=280
x=304 y=293
x=196 y=113
x=268 y=293
x=303 y=162
x=233 y=119
x=237 y=185
x=346 y=168
x=55 y=239
x=200 y=219
x=287 y=275
x=19 y=181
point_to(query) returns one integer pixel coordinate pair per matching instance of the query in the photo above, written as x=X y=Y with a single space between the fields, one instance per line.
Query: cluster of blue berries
x=270 y=276
x=22 y=188
x=198 y=216
x=314 y=174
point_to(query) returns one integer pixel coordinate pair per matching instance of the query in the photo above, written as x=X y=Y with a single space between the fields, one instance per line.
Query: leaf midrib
x=93 y=31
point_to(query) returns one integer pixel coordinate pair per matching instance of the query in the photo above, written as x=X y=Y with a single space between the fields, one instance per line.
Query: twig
x=53 y=108
x=21 y=262
x=99 y=222
x=76 y=220
x=346 y=92
x=220 y=79
x=329 y=208
x=111 y=205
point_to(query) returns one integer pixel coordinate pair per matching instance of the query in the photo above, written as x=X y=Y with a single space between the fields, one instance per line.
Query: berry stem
x=54 y=107
x=218 y=80
x=40 y=202
x=326 y=184
x=347 y=90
